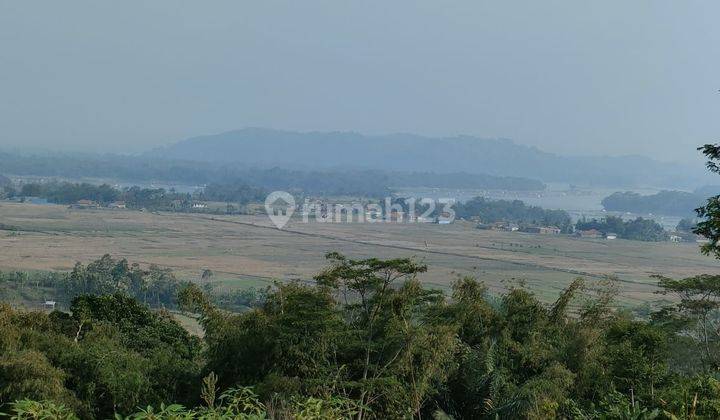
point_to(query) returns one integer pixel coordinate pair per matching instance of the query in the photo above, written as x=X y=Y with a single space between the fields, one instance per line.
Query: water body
x=579 y=202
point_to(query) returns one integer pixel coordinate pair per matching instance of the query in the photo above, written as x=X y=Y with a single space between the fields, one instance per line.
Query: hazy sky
x=611 y=77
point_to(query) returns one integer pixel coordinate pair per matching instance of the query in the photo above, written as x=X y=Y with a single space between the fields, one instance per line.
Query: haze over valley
x=327 y=210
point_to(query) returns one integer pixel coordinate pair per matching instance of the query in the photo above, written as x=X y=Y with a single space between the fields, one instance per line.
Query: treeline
x=687 y=225
x=638 y=229
x=137 y=197
x=492 y=211
x=108 y=354
x=153 y=286
x=462 y=180
x=515 y=211
x=669 y=203
x=69 y=193
x=133 y=197
x=373 y=183
x=368 y=183
x=486 y=210
x=367 y=340
x=232 y=193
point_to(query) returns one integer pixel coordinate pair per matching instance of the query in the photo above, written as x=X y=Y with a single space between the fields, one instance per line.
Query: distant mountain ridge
x=263 y=148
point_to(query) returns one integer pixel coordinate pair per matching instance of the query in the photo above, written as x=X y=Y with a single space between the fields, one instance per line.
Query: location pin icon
x=280 y=206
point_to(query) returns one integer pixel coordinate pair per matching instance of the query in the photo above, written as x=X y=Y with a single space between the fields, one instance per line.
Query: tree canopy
x=366 y=340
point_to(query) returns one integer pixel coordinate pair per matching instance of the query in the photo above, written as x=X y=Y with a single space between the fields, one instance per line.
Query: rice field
x=248 y=251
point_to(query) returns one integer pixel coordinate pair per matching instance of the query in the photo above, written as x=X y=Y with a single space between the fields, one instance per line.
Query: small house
x=85 y=204
x=549 y=230
x=590 y=233
x=505 y=226
x=543 y=230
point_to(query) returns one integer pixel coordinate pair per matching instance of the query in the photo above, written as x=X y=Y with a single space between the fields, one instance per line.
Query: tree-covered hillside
x=667 y=203
x=315 y=181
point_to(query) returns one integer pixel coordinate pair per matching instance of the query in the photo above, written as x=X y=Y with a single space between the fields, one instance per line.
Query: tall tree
x=709 y=226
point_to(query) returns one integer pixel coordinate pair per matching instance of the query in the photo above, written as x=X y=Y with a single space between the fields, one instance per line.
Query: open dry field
x=248 y=251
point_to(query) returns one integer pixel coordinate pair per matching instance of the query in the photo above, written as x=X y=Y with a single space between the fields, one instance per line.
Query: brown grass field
x=246 y=251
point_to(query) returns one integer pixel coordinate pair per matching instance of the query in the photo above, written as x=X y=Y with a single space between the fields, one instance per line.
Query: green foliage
x=515 y=211
x=68 y=193
x=40 y=410
x=153 y=285
x=324 y=409
x=686 y=225
x=365 y=332
x=367 y=340
x=236 y=193
x=638 y=229
x=134 y=197
x=29 y=374
x=668 y=203
x=709 y=225
x=111 y=354
x=240 y=300
x=697 y=312
x=231 y=177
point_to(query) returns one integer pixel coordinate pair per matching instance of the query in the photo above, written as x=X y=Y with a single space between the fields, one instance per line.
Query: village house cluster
x=513 y=227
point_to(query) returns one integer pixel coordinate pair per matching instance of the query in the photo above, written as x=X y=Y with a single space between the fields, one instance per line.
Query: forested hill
x=666 y=203
x=319 y=182
x=405 y=152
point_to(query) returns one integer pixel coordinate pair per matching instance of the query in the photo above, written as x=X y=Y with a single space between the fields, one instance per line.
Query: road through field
x=407 y=248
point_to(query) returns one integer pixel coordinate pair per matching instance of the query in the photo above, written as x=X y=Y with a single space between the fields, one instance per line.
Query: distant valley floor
x=248 y=251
